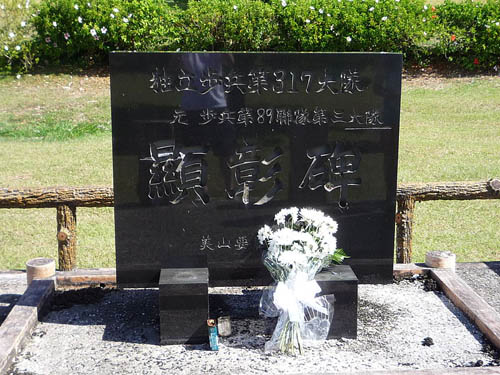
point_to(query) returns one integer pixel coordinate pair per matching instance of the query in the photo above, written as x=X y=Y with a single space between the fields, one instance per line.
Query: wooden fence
x=66 y=200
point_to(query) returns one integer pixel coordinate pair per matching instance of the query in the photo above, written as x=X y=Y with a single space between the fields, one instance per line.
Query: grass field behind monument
x=55 y=130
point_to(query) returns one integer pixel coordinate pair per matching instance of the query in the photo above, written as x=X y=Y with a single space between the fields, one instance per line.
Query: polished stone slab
x=208 y=147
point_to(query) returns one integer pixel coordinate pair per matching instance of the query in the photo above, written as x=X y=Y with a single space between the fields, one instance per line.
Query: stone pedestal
x=183 y=305
x=340 y=281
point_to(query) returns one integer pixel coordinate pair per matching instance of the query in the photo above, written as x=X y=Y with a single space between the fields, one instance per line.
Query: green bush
x=71 y=30
x=81 y=32
x=470 y=33
x=16 y=36
x=238 y=25
x=372 y=25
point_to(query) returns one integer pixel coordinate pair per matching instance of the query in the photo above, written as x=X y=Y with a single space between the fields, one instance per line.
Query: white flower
x=384 y=18
x=328 y=15
x=104 y=30
x=349 y=39
x=23 y=23
x=54 y=24
x=264 y=234
x=89 y=5
x=80 y=20
x=2 y=6
x=423 y=20
x=235 y=7
x=293 y=212
x=497 y=23
x=283 y=3
x=125 y=19
x=18 y=48
x=18 y=76
x=397 y=1
x=376 y=1
x=93 y=32
x=19 y=6
x=425 y=7
x=329 y=244
x=312 y=216
x=311 y=7
x=425 y=33
x=331 y=28
x=76 y=6
x=6 y=48
x=115 y=10
x=11 y=35
x=130 y=15
x=285 y=236
x=371 y=9
x=321 y=11
x=27 y=4
x=112 y=15
x=308 y=20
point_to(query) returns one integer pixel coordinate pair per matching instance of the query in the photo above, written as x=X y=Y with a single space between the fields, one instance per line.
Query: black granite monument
x=208 y=147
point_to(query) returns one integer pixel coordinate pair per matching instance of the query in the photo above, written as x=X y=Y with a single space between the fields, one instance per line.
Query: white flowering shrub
x=83 y=32
x=16 y=35
x=354 y=25
x=72 y=30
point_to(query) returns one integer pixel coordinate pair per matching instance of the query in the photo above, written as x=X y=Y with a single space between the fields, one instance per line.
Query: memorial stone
x=208 y=147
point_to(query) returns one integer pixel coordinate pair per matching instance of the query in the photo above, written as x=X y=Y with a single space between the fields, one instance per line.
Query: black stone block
x=183 y=305
x=208 y=147
x=343 y=284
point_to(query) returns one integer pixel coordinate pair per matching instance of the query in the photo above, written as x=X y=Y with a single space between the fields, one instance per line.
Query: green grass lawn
x=53 y=133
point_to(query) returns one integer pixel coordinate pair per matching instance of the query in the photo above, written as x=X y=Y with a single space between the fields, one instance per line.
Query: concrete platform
x=23 y=311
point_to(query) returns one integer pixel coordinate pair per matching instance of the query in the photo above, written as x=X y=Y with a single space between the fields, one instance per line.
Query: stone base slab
x=22 y=319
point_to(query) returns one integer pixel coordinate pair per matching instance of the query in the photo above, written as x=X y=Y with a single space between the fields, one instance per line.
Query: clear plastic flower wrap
x=298 y=247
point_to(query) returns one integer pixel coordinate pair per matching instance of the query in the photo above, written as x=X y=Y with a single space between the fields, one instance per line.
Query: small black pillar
x=341 y=281
x=183 y=306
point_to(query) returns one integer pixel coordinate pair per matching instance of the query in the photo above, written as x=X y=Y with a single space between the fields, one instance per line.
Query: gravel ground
x=484 y=278
x=12 y=287
x=116 y=331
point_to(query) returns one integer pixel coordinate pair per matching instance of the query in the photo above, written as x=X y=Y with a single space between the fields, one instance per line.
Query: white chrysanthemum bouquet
x=300 y=244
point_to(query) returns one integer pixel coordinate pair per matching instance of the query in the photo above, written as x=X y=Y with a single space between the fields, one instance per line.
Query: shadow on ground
x=132 y=315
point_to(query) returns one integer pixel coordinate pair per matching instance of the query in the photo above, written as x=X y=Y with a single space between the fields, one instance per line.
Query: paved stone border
x=97 y=276
x=463 y=296
x=22 y=319
x=450 y=371
x=24 y=316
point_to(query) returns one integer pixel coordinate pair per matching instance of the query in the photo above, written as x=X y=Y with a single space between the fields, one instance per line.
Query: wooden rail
x=408 y=194
x=66 y=200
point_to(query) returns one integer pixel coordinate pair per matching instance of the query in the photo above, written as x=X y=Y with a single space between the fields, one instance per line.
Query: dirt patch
x=440 y=76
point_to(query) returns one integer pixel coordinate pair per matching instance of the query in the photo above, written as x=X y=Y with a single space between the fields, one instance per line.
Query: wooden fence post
x=404 y=225
x=66 y=236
